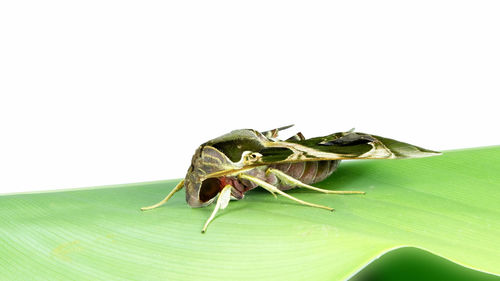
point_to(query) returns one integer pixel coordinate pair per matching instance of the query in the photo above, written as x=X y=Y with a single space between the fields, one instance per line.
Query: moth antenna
x=285 y=127
x=274 y=132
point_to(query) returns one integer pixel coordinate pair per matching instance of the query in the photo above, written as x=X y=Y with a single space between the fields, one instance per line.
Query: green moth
x=229 y=166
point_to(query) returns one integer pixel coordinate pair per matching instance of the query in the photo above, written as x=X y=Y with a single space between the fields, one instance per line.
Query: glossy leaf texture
x=447 y=205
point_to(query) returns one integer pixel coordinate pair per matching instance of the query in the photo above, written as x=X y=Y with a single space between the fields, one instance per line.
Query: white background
x=107 y=92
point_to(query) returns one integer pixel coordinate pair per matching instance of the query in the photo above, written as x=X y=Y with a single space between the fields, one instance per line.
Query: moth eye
x=209 y=189
x=252 y=156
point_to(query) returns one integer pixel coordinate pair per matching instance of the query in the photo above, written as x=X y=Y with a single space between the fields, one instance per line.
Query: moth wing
x=338 y=146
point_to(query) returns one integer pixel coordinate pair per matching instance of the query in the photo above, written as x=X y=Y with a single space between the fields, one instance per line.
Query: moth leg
x=178 y=187
x=222 y=202
x=286 y=179
x=271 y=188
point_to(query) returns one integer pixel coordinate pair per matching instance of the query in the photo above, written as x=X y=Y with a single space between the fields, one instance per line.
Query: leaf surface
x=447 y=205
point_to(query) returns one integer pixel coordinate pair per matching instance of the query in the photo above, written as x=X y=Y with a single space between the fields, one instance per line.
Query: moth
x=229 y=166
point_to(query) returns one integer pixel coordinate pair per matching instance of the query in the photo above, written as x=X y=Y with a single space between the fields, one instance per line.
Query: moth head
x=200 y=193
x=218 y=157
x=203 y=180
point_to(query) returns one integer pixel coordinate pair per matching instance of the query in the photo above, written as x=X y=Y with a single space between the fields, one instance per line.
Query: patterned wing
x=345 y=145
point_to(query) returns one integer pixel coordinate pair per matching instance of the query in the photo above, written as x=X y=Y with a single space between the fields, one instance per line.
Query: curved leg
x=222 y=202
x=286 y=179
x=178 y=187
x=271 y=188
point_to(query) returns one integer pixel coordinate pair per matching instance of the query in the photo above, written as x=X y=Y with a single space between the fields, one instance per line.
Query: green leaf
x=412 y=264
x=447 y=205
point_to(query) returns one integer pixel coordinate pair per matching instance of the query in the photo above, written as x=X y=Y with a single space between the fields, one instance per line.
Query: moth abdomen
x=308 y=172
